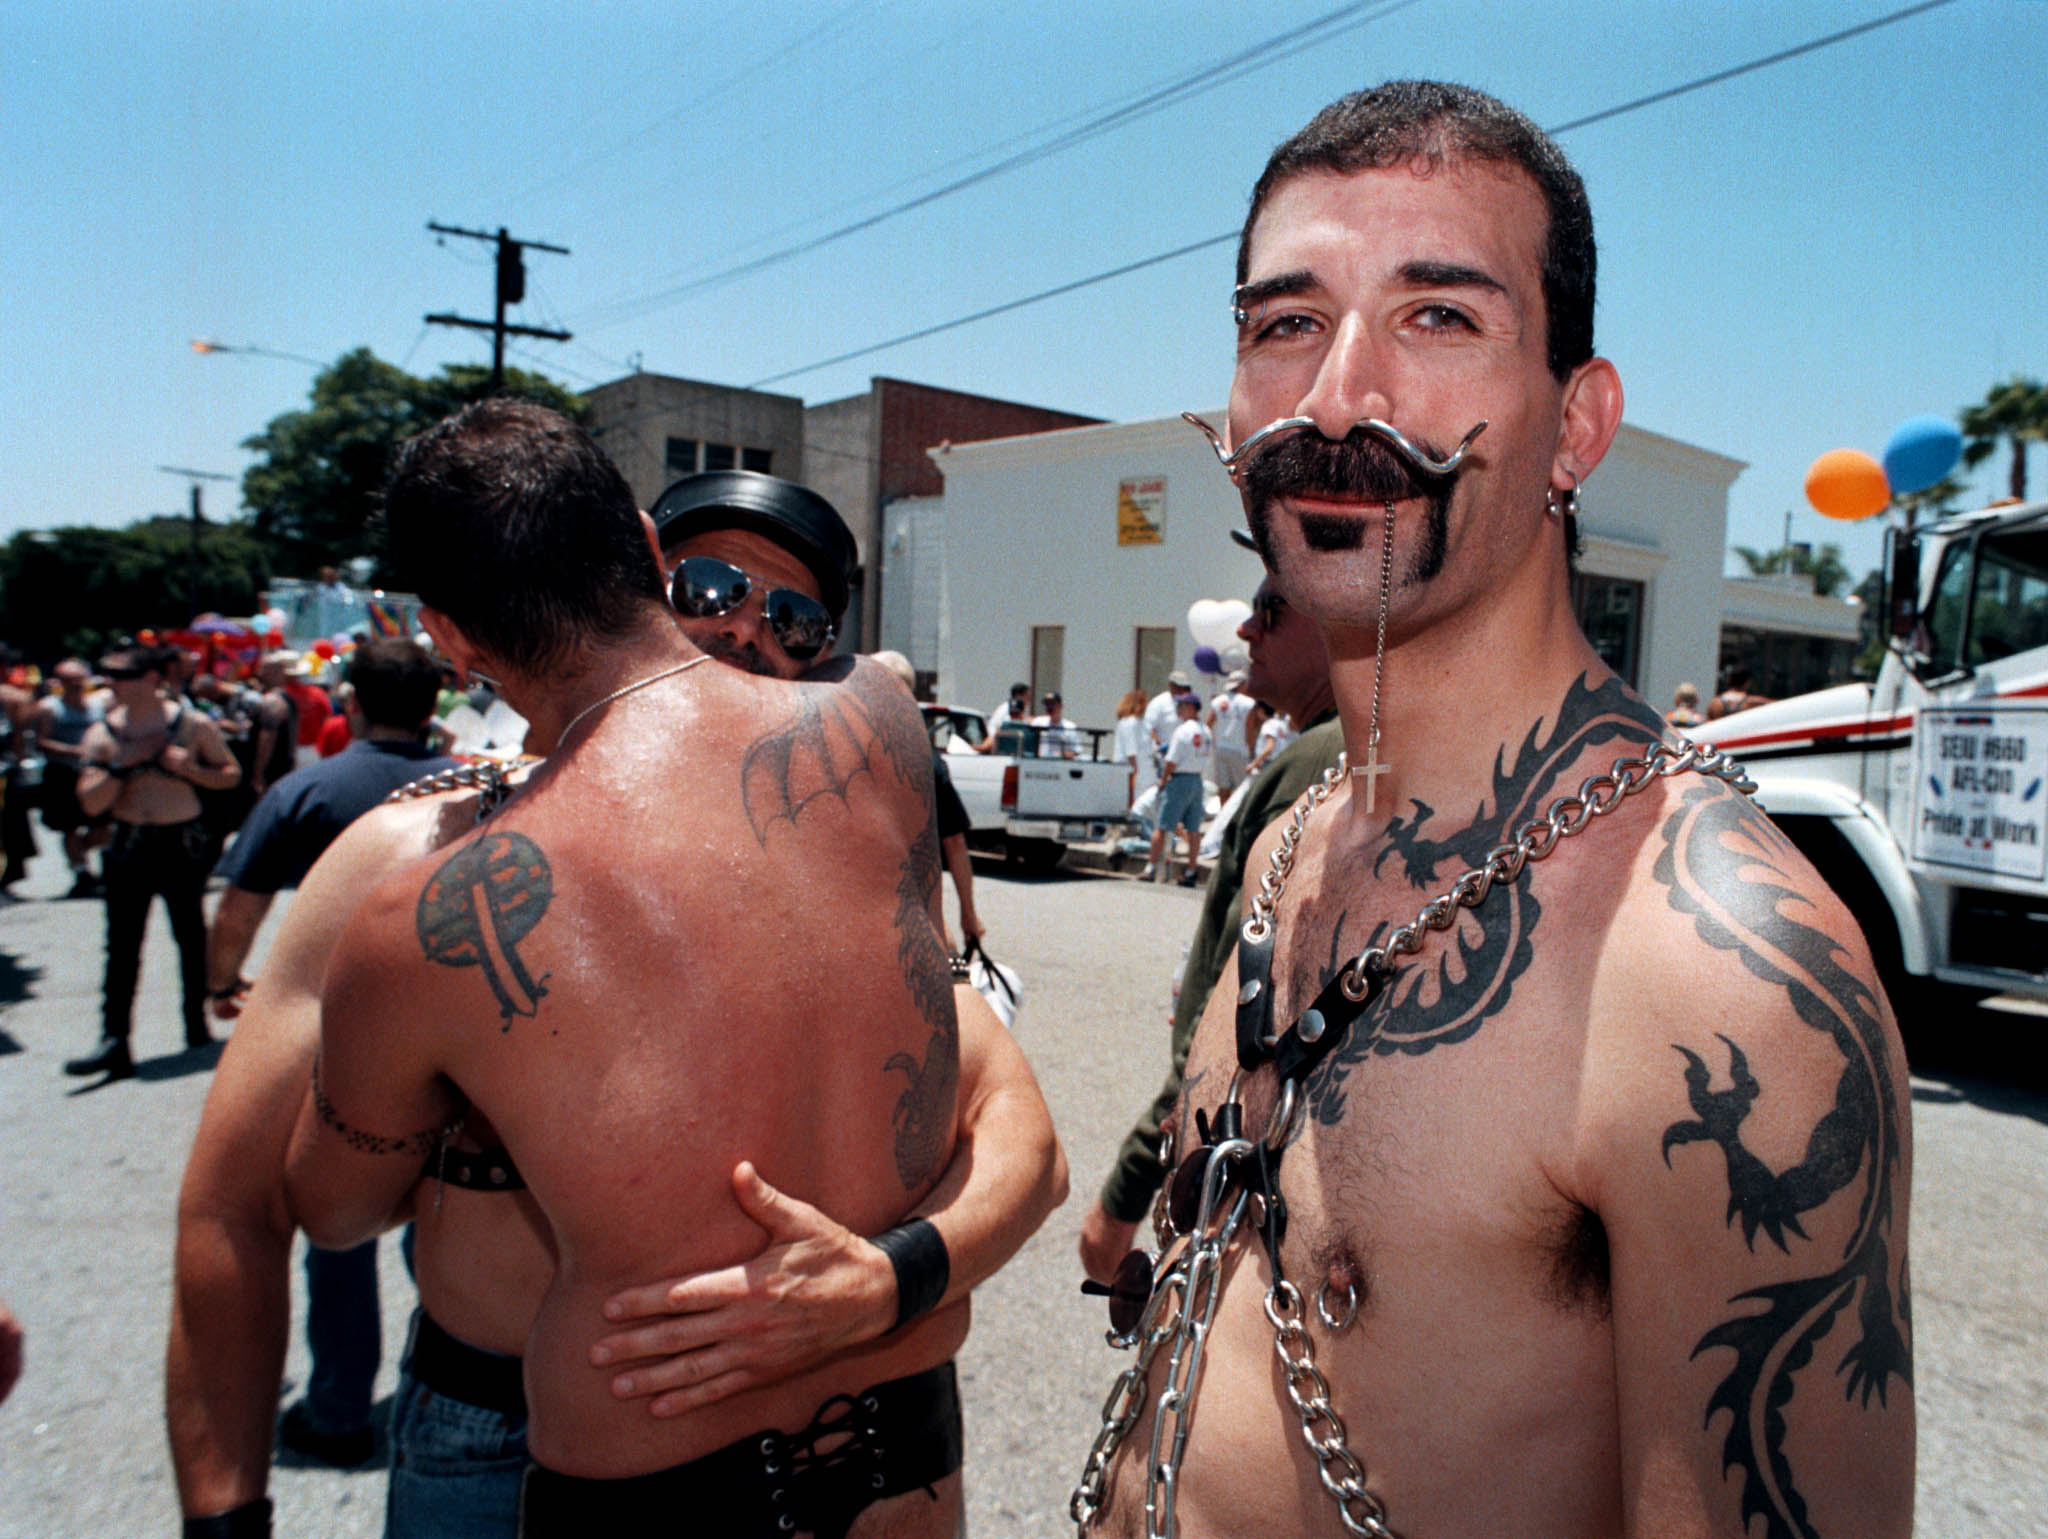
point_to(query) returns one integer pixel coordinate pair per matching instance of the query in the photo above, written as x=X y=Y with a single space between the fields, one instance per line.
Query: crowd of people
x=704 y=1138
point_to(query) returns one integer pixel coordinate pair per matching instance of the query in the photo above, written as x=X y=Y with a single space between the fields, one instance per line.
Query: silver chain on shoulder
x=1184 y=1299
x=486 y=778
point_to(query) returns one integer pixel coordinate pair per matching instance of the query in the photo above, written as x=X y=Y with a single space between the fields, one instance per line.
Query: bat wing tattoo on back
x=1723 y=864
x=830 y=742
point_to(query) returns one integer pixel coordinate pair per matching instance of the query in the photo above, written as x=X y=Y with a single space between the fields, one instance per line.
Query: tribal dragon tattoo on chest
x=1723 y=863
x=1443 y=999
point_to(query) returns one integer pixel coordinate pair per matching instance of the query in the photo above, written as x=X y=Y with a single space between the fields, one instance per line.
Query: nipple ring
x=1329 y=1316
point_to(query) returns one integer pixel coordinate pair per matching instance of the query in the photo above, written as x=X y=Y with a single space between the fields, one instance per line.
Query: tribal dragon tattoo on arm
x=1434 y=1002
x=839 y=733
x=1723 y=863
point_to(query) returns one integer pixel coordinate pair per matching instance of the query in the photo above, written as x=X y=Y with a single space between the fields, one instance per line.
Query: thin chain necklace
x=627 y=689
x=1372 y=769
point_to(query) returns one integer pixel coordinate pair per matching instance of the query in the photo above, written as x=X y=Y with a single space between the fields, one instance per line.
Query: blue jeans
x=455 y=1468
x=344 y=1334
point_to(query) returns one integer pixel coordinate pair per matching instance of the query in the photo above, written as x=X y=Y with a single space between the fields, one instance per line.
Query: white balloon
x=1210 y=624
x=1235 y=612
x=1235 y=656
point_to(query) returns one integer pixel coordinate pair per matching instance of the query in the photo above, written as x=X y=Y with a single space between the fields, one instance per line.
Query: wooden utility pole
x=511 y=290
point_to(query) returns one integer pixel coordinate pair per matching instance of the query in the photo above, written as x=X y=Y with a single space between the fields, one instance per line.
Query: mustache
x=1361 y=466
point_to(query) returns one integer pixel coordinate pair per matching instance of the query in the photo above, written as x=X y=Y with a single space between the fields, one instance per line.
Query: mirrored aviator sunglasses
x=705 y=587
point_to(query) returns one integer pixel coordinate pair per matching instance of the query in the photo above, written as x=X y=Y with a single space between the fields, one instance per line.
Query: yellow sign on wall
x=1141 y=512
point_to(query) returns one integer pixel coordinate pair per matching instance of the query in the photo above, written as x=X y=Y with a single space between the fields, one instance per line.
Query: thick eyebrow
x=1247 y=296
x=1449 y=275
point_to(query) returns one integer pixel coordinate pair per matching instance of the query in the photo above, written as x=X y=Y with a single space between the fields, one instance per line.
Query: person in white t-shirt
x=1181 y=791
x=1133 y=744
x=1272 y=733
x=1160 y=717
x=1227 y=712
x=1016 y=708
x=1058 y=738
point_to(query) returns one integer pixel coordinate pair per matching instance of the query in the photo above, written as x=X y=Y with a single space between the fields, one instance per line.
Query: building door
x=1155 y=658
x=1048 y=655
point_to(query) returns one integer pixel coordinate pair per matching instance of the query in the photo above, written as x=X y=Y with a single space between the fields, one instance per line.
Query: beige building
x=1070 y=559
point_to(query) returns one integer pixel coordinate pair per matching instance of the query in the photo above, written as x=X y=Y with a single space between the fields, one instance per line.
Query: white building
x=1069 y=560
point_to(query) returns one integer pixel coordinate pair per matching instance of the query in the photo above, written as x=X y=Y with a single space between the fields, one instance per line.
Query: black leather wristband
x=917 y=1254
x=251 y=1520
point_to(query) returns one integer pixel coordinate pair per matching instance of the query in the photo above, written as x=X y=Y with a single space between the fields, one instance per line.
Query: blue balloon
x=1920 y=453
x=1206 y=660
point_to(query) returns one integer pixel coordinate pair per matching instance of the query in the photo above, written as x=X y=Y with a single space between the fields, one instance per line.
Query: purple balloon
x=1206 y=660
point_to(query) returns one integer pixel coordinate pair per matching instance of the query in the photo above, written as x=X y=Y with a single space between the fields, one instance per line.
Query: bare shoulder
x=848 y=720
x=1748 y=1147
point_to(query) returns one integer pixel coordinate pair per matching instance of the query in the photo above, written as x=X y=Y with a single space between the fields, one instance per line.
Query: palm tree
x=2015 y=412
x=1930 y=502
x=1824 y=566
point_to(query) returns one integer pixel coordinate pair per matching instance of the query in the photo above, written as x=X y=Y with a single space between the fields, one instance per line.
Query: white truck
x=1026 y=798
x=1921 y=796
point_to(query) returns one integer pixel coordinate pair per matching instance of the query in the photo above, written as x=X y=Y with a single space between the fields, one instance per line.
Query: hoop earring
x=1562 y=505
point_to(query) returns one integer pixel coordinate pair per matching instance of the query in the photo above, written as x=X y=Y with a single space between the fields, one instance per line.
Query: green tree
x=313 y=496
x=2014 y=413
x=1873 y=626
x=1824 y=566
x=72 y=590
x=1931 y=502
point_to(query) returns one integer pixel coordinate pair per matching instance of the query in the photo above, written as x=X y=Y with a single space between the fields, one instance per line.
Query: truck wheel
x=1038 y=857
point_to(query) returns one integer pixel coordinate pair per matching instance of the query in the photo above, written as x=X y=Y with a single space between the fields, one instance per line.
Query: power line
x=1718 y=77
x=1260 y=55
x=730 y=83
x=1015 y=304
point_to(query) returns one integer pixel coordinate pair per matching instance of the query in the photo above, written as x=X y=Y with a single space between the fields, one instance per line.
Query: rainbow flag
x=385 y=618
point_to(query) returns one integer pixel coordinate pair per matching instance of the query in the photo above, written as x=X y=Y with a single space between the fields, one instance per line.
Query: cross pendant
x=1370 y=773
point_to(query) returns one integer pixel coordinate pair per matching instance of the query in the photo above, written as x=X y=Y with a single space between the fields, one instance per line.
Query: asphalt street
x=87 y=1201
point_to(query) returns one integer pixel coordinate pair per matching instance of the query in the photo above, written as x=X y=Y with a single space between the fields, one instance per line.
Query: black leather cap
x=794 y=517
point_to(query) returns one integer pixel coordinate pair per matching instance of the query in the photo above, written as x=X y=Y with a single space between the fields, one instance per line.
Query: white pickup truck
x=1922 y=797
x=1027 y=798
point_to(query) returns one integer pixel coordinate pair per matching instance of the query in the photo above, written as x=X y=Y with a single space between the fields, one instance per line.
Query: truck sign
x=1979 y=791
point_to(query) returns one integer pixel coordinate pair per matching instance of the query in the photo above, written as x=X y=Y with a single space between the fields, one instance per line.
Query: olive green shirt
x=1137 y=1174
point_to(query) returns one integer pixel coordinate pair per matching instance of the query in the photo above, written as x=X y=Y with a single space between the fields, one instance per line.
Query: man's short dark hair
x=509 y=519
x=395 y=682
x=1429 y=123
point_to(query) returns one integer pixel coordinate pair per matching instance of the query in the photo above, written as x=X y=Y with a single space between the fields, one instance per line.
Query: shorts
x=1180 y=804
x=888 y=1439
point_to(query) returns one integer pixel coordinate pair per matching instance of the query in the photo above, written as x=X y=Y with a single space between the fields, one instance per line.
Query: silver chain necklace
x=1184 y=1297
x=626 y=689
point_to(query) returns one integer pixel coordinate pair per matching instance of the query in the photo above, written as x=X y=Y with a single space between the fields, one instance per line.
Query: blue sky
x=1792 y=260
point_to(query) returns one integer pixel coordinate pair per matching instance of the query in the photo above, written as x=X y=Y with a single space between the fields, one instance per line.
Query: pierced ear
x=1591 y=417
x=450 y=641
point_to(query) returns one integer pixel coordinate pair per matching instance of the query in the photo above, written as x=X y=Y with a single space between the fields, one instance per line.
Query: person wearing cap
x=1162 y=713
x=1228 y=709
x=759 y=568
x=146 y=764
x=696 y=880
x=1058 y=737
x=459 y=1413
x=1015 y=708
x=1181 y=791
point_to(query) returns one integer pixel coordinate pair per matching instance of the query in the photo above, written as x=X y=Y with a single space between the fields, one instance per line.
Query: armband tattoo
x=420 y=1144
x=917 y=1254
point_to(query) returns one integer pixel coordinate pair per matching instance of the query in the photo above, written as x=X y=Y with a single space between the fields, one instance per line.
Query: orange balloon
x=1847 y=484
